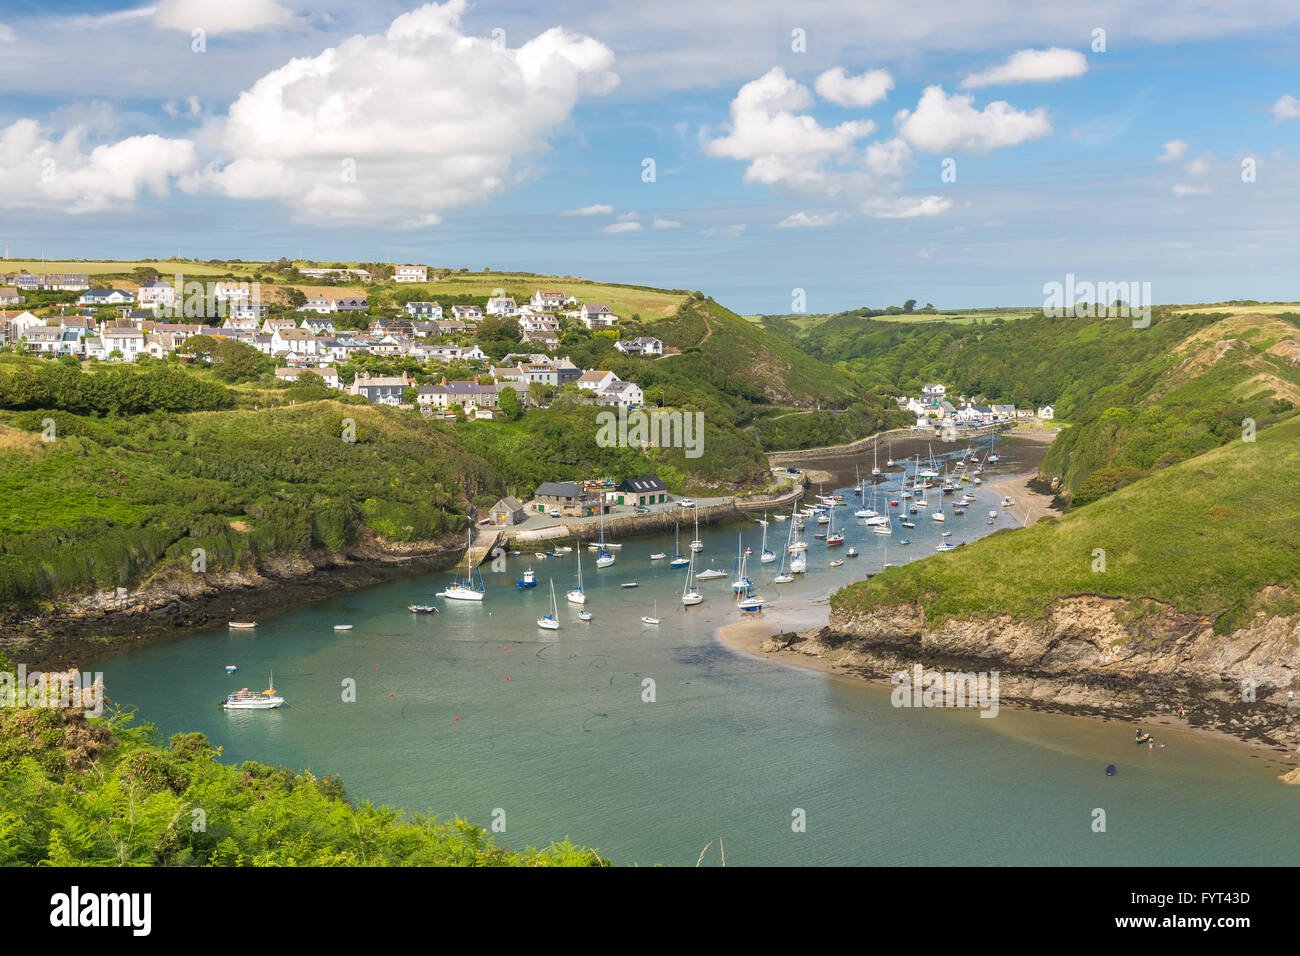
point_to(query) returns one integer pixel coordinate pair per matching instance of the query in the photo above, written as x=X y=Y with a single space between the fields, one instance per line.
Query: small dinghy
x=630 y=584
x=342 y=627
x=422 y=609
x=837 y=563
x=584 y=615
x=231 y=668
x=652 y=618
x=243 y=624
x=658 y=556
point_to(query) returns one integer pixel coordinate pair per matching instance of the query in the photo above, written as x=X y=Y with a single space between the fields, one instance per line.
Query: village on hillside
x=124 y=324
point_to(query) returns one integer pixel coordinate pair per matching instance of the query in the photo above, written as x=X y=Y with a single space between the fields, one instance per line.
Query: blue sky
x=473 y=129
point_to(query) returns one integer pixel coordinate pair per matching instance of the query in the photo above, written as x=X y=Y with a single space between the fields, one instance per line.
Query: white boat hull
x=576 y=597
x=461 y=594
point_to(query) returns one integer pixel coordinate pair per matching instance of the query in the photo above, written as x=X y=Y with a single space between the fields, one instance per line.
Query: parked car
x=641 y=510
x=554 y=512
x=687 y=503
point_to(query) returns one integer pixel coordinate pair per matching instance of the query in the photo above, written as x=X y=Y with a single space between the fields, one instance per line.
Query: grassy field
x=1262 y=308
x=110 y=267
x=1213 y=536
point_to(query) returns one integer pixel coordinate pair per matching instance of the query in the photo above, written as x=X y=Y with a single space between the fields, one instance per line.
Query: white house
x=645 y=345
x=298 y=341
x=97 y=297
x=410 y=274
x=501 y=305
x=320 y=306
x=129 y=341
x=621 y=393
x=548 y=300
x=423 y=310
x=157 y=293
x=1046 y=412
x=596 y=380
x=21 y=323
x=597 y=315
x=232 y=292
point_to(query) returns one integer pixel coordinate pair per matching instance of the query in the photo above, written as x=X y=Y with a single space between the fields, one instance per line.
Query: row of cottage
x=934 y=410
x=605 y=387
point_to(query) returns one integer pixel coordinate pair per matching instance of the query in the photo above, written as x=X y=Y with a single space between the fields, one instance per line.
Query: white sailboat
x=875 y=460
x=603 y=557
x=466 y=590
x=689 y=594
x=576 y=594
x=678 y=559
x=550 y=622
x=782 y=575
x=740 y=582
x=767 y=555
x=653 y=618
x=697 y=544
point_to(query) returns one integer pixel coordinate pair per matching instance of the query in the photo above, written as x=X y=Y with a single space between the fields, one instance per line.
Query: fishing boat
x=466 y=590
x=740 y=582
x=652 y=618
x=603 y=556
x=576 y=594
x=678 y=559
x=529 y=580
x=550 y=622
x=422 y=609
x=690 y=596
x=243 y=624
x=244 y=699
x=342 y=627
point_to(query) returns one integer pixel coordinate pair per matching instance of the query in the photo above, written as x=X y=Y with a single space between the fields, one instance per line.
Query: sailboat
x=939 y=515
x=767 y=556
x=992 y=458
x=653 y=618
x=550 y=622
x=833 y=537
x=740 y=582
x=875 y=460
x=466 y=590
x=678 y=559
x=890 y=462
x=576 y=594
x=782 y=575
x=697 y=544
x=689 y=594
x=603 y=557
x=747 y=600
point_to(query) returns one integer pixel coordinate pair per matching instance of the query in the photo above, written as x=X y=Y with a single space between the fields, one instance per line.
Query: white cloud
x=622 y=227
x=173 y=109
x=1198 y=166
x=1175 y=150
x=665 y=224
x=1287 y=107
x=782 y=147
x=589 y=211
x=1031 y=66
x=404 y=126
x=727 y=232
x=889 y=158
x=802 y=219
x=221 y=16
x=871 y=87
x=7 y=34
x=39 y=172
x=907 y=207
x=941 y=123
x=1183 y=190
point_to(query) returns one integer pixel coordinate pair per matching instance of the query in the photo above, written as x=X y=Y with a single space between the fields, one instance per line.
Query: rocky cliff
x=1090 y=656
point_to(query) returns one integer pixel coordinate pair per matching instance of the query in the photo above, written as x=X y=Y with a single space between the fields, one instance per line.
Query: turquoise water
x=553 y=730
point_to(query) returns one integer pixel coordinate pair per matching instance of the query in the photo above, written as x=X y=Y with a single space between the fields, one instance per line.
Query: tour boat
x=550 y=622
x=690 y=596
x=576 y=595
x=653 y=618
x=244 y=699
x=466 y=590
x=529 y=580
x=243 y=624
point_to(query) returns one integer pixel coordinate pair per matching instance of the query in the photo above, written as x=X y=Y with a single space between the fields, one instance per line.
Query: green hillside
x=1213 y=536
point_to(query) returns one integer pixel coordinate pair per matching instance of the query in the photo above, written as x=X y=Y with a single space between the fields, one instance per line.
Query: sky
x=777 y=156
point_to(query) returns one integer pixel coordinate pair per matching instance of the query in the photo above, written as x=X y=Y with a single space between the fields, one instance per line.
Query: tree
x=909 y=305
x=509 y=404
x=297 y=298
